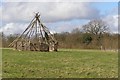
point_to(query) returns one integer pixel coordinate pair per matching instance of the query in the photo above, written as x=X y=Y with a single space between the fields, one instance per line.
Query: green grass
x=66 y=63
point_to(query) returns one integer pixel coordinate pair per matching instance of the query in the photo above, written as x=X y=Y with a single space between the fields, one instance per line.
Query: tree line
x=93 y=35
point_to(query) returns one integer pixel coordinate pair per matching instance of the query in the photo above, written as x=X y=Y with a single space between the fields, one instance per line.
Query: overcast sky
x=57 y=16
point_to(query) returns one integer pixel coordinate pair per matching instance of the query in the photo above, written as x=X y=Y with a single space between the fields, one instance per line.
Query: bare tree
x=97 y=28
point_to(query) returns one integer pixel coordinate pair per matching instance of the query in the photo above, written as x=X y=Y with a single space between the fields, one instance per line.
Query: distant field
x=66 y=63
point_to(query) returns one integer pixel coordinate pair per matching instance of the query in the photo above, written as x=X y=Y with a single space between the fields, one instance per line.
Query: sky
x=57 y=16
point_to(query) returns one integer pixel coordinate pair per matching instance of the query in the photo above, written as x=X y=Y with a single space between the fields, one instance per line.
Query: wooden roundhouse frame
x=36 y=37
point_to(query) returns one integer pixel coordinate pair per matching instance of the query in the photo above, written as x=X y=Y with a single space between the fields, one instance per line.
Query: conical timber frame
x=36 y=37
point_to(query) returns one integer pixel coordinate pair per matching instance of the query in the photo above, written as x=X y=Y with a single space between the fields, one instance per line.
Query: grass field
x=66 y=63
